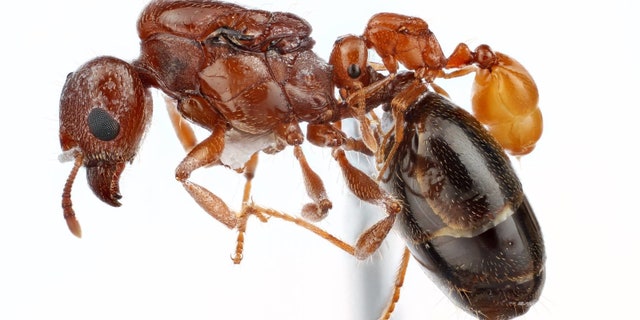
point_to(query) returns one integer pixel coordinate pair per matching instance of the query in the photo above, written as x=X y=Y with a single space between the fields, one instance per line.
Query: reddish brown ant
x=247 y=76
x=251 y=83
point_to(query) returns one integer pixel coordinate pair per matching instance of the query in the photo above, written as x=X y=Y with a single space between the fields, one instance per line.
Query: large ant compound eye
x=102 y=125
x=353 y=71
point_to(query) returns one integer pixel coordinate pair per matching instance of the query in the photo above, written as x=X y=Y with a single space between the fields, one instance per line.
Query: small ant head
x=349 y=60
x=104 y=111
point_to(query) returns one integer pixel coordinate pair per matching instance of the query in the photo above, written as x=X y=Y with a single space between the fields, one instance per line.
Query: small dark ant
x=250 y=78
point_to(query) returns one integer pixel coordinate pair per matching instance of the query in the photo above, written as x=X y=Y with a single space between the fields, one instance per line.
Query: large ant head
x=104 y=111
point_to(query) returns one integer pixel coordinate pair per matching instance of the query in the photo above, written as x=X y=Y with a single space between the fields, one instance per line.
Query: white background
x=160 y=257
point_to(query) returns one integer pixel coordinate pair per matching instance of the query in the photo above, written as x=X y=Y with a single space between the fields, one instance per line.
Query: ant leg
x=460 y=72
x=439 y=90
x=323 y=135
x=402 y=271
x=368 y=136
x=377 y=124
x=257 y=210
x=182 y=128
x=357 y=145
x=249 y=173
x=363 y=187
x=188 y=140
x=366 y=189
x=358 y=103
x=205 y=153
x=317 y=210
x=67 y=205
x=399 y=106
x=328 y=135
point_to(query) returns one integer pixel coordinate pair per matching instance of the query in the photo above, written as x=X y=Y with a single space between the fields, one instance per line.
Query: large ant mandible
x=247 y=76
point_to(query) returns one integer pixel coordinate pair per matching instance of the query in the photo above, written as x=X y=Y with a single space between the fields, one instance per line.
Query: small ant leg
x=357 y=145
x=329 y=135
x=439 y=90
x=67 y=205
x=399 y=106
x=368 y=190
x=377 y=66
x=325 y=135
x=358 y=102
x=182 y=128
x=367 y=133
x=249 y=173
x=402 y=271
x=460 y=72
x=376 y=122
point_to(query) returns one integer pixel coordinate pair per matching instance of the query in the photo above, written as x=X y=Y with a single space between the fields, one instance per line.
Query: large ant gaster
x=250 y=78
x=465 y=218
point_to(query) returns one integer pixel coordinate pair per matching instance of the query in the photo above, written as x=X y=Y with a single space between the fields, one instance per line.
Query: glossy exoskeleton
x=249 y=77
x=465 y=217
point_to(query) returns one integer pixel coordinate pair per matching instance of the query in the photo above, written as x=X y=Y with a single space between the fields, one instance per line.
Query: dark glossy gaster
x=465 y=217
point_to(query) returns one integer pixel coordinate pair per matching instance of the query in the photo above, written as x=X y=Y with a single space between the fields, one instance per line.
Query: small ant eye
x=353 y=71
x=102 y=125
